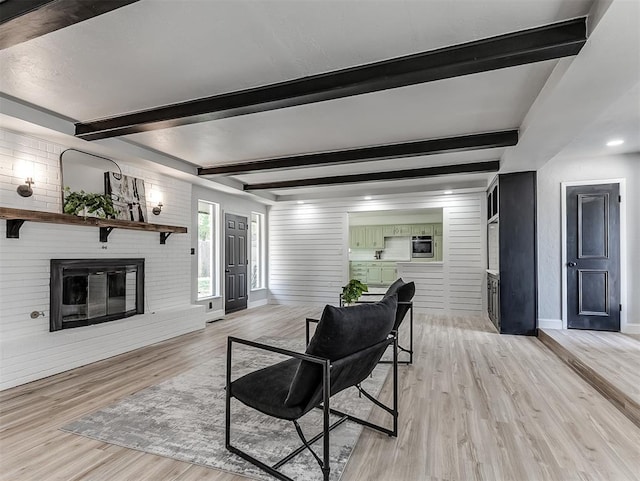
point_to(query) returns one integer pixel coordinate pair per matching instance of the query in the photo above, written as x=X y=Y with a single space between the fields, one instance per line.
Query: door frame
x=623 y=245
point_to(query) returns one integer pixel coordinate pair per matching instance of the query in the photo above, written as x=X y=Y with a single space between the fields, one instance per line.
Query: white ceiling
x=157 y=52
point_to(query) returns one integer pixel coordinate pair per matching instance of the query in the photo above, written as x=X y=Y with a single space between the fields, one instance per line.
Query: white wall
x=232 y=204
x=28 y=351
x=424 y=217
x=308 y=251
x=550 y=221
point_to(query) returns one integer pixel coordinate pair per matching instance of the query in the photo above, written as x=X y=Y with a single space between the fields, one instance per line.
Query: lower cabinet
x=373 y=273
x=374 y=276
x=493 y=299
x=388 y=275
x=358 y=271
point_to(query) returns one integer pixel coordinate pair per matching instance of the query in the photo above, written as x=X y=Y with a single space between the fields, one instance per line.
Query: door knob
x=226 y=270
x=571 y=264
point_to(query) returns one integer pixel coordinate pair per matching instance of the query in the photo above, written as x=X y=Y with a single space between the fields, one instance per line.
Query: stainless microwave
x=422 y=246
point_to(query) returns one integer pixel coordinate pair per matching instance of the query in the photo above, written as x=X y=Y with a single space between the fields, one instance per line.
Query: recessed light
x=301 y=202
x=447 y=192
x=615 y=142
x=367 y=197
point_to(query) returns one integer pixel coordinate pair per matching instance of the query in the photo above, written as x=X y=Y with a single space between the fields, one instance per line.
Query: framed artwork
x=128 y=196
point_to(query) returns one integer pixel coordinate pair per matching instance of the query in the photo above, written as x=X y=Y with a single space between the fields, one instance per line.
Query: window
x=207 y=249
x=257 y=251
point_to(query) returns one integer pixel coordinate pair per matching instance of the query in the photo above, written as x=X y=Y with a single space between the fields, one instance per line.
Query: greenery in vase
x=99 y=204
x=352 y=291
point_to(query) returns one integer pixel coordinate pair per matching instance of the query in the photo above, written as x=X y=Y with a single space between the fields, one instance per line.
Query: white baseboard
x=549 y=323
x=320 y=305
x=215 y=315
x=254 y=304
x=631 y=329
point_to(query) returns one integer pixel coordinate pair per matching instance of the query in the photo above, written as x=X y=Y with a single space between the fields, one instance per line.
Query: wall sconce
x=24 y=170
x=25 y=189
x=156 y=198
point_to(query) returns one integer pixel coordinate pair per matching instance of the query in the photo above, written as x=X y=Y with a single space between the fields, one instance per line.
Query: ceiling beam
x=463 y=143
x=23 y=20
x=472 y=168
x=517 y=48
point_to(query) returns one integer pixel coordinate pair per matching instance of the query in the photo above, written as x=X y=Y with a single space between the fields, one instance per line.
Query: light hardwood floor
x=609 y=361
x=474 y=406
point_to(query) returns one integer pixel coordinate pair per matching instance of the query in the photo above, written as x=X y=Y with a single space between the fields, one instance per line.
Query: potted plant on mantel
x=88 y=204
x=352 y=291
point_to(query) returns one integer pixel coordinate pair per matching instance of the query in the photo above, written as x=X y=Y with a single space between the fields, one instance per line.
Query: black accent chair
x=405 y=292
x=346 y=347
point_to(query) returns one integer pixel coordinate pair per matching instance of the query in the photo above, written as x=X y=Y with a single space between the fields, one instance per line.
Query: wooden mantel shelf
x=17 y=217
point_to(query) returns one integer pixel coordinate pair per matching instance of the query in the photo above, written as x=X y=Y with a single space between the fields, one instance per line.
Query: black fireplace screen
x=91 y=291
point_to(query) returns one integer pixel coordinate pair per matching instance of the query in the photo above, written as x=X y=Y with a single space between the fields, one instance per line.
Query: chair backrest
x=405 y=292
x=343 y=332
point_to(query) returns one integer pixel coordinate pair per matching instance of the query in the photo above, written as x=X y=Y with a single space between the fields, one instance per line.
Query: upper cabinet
x=493 y=202
x=366 y=237
x=372 y=236
x=422 y=229
x=357 y=237
x=397 y=230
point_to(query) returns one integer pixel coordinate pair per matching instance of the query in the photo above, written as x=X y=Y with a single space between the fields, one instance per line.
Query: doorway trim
x=623 y=245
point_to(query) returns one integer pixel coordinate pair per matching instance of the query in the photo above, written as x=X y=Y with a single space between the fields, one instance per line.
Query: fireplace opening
x=91 y=291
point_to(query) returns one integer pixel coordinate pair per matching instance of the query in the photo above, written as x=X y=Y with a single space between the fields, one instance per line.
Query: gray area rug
x=183 y=418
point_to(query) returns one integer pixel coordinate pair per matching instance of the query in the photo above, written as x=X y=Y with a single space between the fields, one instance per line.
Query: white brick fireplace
x=28 y=351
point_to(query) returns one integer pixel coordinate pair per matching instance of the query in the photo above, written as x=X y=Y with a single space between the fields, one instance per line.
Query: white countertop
x=418 y=263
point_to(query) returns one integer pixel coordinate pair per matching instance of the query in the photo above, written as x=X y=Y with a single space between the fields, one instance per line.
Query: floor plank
x=475 y=405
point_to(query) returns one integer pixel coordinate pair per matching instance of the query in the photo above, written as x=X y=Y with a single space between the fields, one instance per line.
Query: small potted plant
x=352 y=291
x=88 y=204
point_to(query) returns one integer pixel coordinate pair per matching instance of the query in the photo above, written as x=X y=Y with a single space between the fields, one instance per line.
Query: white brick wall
x=28 y=351
x=19 y=155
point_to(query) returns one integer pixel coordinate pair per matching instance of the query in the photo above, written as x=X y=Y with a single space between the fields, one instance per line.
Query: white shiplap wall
x=28 y=351
x=308 y=251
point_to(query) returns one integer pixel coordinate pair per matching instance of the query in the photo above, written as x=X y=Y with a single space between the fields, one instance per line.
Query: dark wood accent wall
x=518 y=261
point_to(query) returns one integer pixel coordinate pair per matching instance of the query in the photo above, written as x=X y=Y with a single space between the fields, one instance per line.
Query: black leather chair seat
x=266 y=389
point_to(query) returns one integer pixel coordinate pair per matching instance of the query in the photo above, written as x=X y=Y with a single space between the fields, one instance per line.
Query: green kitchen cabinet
x=387 y=230
x=397 y=230
x=357 y=237
x=422 y=229
x=374 y=238
x=366 y=237
x=405 y=229
x=374 y=275
x=358 y=271
x=388 y=275
x=437 y=248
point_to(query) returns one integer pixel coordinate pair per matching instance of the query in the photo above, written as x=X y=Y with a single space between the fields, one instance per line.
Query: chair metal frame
x=324 y=406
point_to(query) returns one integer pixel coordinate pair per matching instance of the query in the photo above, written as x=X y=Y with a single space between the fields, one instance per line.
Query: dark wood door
x=235 y=263
x=593 y=257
